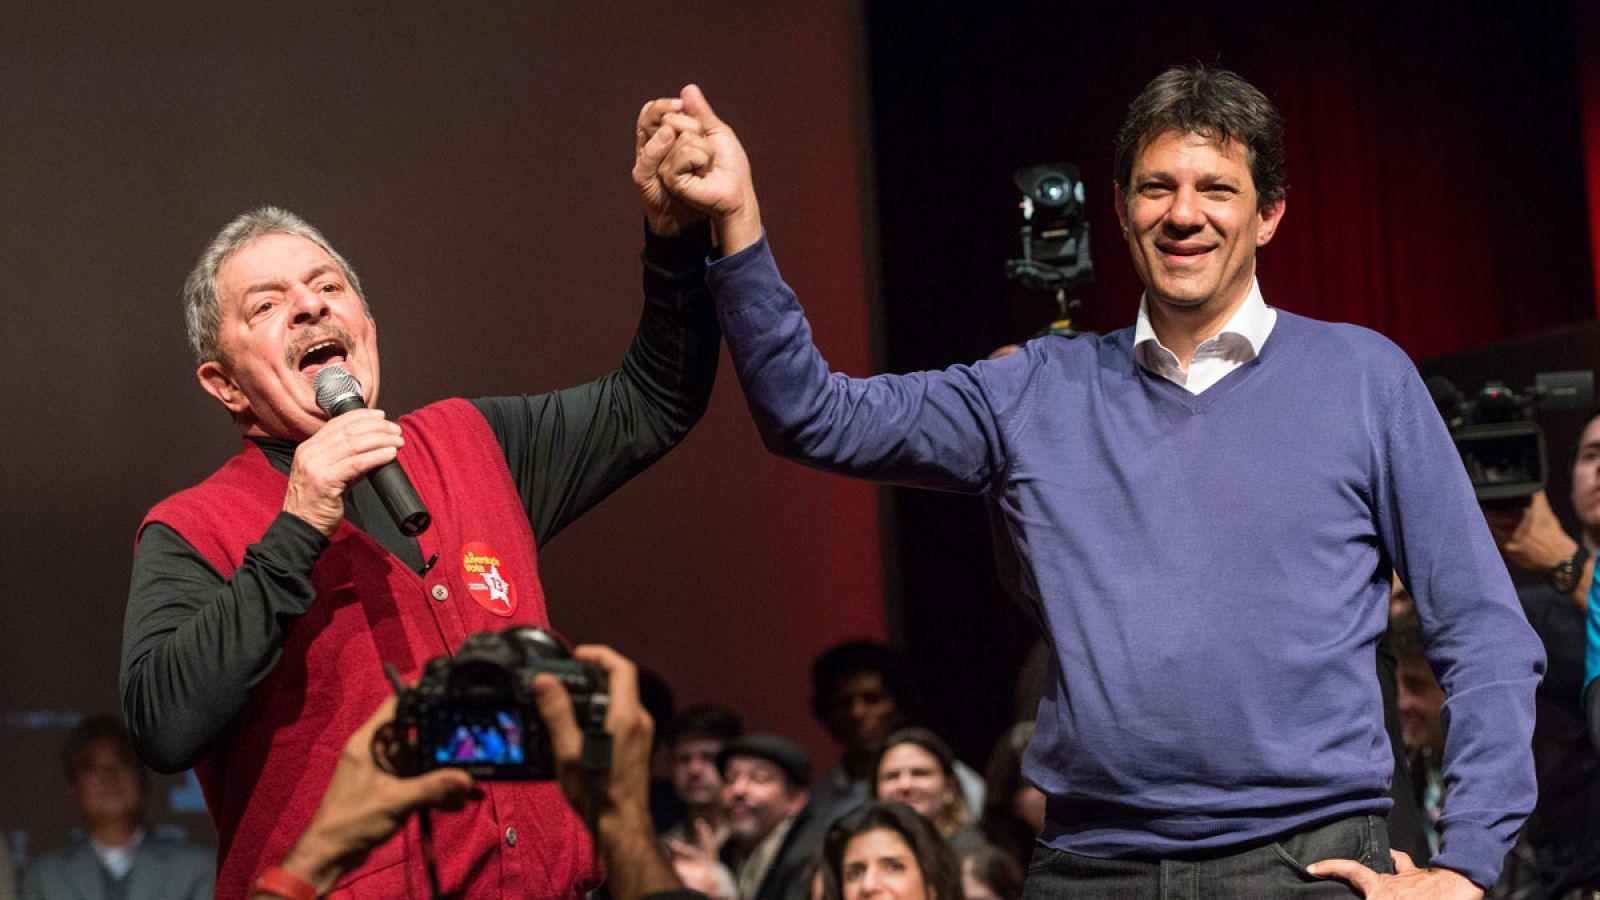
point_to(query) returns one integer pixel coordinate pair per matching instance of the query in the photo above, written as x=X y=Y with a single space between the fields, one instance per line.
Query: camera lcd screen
x=484 y=736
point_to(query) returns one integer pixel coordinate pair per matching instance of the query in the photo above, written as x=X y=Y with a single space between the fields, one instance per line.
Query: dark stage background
x=473 y=166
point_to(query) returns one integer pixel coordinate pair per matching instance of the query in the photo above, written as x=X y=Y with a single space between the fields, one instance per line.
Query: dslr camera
x=475 y=710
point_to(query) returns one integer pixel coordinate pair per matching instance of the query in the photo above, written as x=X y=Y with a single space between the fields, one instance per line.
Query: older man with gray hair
x=266 y=600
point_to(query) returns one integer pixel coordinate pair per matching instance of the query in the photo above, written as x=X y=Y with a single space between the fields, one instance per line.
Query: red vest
x=265 y=775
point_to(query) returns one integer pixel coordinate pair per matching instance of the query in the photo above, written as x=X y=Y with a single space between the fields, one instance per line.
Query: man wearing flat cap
x=772 y=835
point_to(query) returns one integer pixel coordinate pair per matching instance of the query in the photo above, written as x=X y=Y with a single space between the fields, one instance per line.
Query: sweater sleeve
x=568 y=449
x=194 y=644
x=930 y=429
x=1477 y=639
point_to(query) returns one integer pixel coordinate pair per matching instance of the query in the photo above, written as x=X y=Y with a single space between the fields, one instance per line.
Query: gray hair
x=202 y=304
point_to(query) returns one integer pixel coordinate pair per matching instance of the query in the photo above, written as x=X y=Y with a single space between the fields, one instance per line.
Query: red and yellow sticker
x=481 y=569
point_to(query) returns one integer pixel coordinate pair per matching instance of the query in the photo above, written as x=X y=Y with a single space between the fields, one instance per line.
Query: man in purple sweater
x=1208 y=505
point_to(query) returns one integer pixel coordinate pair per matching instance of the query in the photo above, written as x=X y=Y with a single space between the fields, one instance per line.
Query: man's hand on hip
x=343 y=450
x=1408 y=882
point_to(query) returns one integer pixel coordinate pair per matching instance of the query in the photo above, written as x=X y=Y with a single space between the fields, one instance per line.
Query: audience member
x=698 y=735
x=916 y=767
x=666 y=810
x=989 y=873
x=887 y=849
x=1564 y=829
x=1591 y=677
x=117 y=857
x=695 y=842
x=1592 y=691
x=1421 y=702
x=771 y=831
x=364 y=806
x=1013 y=809
x=861 y=693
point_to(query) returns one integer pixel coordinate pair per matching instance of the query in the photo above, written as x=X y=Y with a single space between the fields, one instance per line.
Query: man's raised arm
x=935 y=429
x=568 y=449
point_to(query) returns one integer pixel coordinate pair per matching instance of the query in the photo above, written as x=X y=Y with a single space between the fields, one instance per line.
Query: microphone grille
x=333 y=384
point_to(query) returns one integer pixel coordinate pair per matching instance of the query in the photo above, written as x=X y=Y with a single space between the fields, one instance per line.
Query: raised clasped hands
x=1408 y=883
x=653 y=137
x=690 y=164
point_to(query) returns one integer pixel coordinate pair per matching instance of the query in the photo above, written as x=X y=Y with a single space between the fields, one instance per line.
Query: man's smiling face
x=287 y=311
x=1193 y=221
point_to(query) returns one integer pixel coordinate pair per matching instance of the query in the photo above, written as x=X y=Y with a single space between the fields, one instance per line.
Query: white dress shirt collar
x=1239 y=341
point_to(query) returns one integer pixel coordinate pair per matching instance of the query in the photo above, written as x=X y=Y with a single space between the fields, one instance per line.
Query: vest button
x=441 y=593
x=511 y=837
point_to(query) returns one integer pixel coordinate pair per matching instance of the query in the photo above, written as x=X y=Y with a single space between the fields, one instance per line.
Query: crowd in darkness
x=743 y=816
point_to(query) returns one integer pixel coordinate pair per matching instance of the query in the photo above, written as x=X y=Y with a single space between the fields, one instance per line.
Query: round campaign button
x=486 y=579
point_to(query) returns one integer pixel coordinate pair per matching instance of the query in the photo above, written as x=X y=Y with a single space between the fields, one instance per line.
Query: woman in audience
x=887 y=849
x=917 y=768
x=1013 y=809
x=989 y=873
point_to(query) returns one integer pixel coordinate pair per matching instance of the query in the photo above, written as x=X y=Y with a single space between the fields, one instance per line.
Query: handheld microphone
x=338 y=392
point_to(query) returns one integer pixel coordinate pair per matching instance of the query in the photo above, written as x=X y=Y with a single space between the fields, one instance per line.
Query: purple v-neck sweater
x=1213 y=569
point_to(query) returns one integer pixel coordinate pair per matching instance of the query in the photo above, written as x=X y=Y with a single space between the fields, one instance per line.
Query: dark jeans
x=1266 y=872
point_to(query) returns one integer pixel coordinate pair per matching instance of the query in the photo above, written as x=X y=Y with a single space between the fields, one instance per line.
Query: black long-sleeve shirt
x=195 y=644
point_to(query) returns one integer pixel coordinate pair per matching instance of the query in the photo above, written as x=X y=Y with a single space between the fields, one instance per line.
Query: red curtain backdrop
x=1588 y=30
x=1427 y=199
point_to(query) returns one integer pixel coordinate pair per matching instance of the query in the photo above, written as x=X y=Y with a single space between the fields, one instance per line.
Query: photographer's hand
x=626 y=836
x=1532 y=538
x=363 y=806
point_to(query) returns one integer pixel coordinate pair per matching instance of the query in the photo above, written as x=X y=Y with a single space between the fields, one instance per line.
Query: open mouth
x=321 y=354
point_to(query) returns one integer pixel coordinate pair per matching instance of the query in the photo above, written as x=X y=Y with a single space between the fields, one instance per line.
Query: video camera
x=1500 y=443
x=1055 y=238
x=476 y=711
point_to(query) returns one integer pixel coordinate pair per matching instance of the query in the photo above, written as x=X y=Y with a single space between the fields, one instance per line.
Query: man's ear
x=1270 y=217
x=1122 y=209
x=215 y=380
x=797 y=801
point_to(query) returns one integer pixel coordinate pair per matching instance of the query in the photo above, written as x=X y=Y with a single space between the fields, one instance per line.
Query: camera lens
x=1052 y=190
